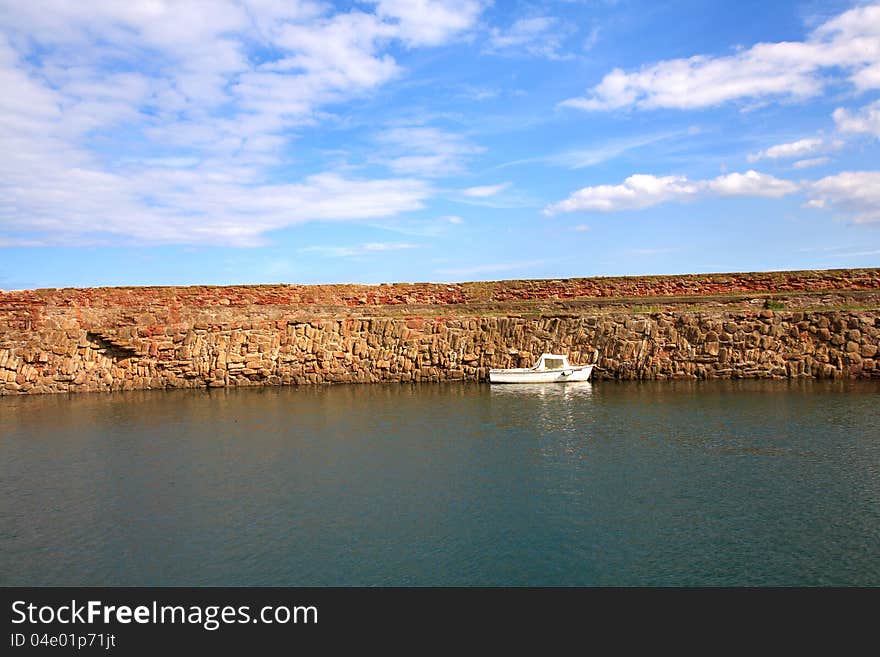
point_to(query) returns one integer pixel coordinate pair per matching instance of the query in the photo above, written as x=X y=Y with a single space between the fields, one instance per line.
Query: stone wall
x=67 y=350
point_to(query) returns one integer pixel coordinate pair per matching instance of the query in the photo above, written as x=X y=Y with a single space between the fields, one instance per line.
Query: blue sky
x=263 y=141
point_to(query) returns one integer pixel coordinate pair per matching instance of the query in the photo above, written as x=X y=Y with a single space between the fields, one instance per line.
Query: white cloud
x=485 y=191
x=792 y=70
x=194 y=207
x=867 y=119
x=750 y=183
x=868 y=77
x=592 y=39
x=201 y=104
x=581 y=228
x=793 y=149
x=637 y=191
x=581 y=158
x=425 y=151
x=811 y=162
x=325 y=60
x=539 y=36
x=644 y=190
x=454 y=219
x=359 y=250
x=51 y=186
x=855 y=194
x=429 y=22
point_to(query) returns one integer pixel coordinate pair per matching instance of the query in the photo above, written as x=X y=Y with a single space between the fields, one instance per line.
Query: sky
x=177 y=142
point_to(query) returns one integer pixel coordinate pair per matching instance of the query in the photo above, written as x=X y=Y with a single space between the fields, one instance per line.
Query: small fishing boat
x=550 y=368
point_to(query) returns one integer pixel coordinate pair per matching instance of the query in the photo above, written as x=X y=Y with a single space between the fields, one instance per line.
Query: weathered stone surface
x=126 y=338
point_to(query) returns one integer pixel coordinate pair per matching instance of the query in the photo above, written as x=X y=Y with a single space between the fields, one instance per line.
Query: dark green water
x=744 y=483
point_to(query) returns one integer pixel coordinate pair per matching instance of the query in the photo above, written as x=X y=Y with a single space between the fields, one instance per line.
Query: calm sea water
x=737 y=483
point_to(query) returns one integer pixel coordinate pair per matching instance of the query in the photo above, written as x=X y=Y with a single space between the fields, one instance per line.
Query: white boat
x=550 y=368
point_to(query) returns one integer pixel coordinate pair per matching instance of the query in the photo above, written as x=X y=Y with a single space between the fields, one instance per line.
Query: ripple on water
x=721 y=483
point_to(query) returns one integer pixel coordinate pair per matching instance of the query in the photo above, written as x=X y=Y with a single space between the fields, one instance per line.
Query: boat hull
x=547 y=376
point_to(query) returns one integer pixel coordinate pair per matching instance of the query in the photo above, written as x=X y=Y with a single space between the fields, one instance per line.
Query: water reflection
x=542 y=408
x=557 y=391
x=609 y=483
x=555 y=413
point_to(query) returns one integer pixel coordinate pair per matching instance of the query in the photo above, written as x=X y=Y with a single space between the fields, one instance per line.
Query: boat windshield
x=553 y=364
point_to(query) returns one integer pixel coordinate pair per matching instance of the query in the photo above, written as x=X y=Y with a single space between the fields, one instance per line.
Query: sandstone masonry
x=124 y=339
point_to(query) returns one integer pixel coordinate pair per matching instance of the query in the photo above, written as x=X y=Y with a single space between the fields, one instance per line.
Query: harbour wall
x=55 y=341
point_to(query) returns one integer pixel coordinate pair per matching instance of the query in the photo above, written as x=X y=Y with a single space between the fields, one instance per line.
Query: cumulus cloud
x=429 y=22
x=854 y=194
x=792 y=70
x=750 y=183
x=637 y=191
x=793 y=149
x=644 y=190
x=198 y=107
x=867 y=119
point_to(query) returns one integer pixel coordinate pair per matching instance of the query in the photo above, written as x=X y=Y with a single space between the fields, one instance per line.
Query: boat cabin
x=552 y=362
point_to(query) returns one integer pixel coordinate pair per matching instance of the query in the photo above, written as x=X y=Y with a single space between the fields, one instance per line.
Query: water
x=736 y=483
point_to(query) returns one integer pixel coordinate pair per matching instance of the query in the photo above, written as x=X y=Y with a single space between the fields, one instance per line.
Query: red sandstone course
x=448 y=293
